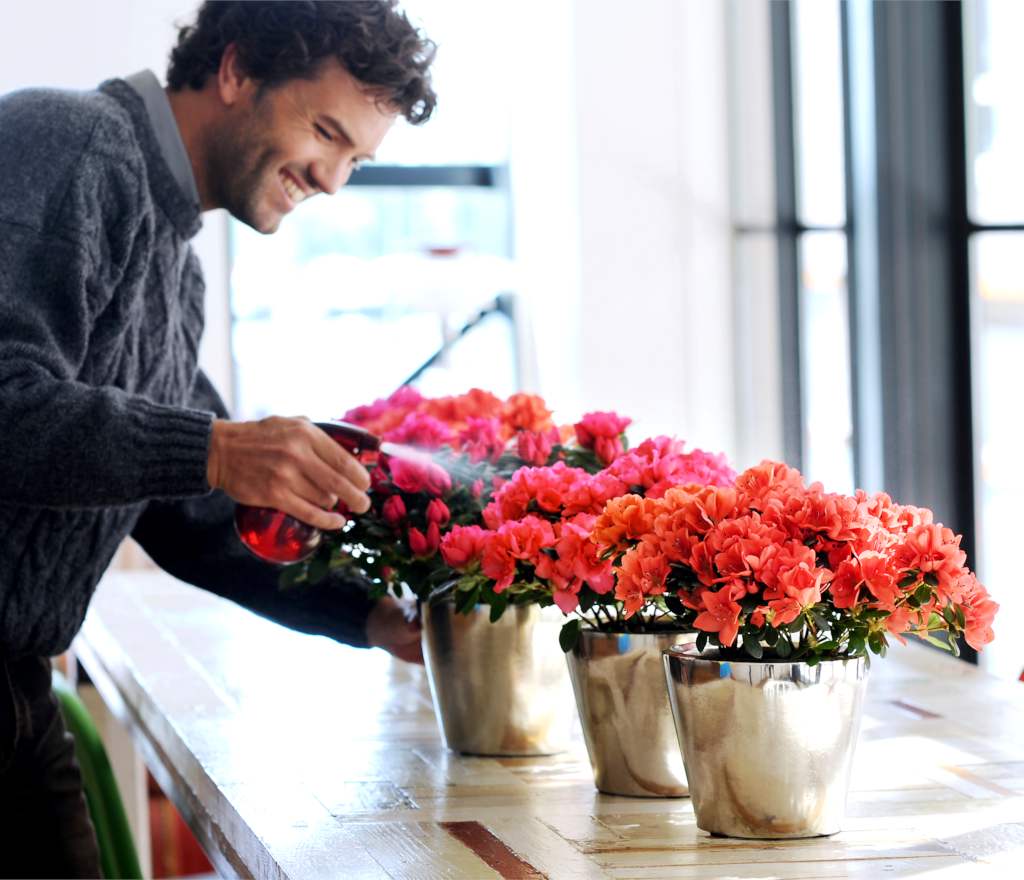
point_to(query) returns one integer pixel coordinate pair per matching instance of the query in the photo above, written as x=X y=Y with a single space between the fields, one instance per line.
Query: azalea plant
x=772 y=567
x=464 y=448
x=535 y=542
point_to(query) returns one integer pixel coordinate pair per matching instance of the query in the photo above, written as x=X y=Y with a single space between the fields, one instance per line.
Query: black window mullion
x=922 y=266
x=787 y=233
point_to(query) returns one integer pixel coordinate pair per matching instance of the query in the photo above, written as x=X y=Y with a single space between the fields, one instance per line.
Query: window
x=357 y=292
x=798 y=234
x=993 y=70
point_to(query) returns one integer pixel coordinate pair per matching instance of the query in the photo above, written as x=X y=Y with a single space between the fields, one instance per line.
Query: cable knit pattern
x=102 y=408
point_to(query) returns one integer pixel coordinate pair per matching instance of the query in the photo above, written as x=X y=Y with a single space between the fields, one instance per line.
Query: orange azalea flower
x=458 y=410
x=526 y=412
x=642 y=573
x=759 y=482
x=624 y=520
x=721 y=614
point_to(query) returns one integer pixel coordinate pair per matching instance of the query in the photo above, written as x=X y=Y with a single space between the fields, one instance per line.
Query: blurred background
x=779 y=229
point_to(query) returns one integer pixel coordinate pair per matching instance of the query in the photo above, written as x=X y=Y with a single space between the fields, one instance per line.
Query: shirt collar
x=165 y=126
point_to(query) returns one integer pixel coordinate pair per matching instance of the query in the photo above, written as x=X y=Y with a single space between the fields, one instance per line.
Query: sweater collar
x=168 y=192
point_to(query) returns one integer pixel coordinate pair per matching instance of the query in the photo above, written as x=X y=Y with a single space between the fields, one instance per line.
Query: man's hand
x=394 y=626
x=287 y=464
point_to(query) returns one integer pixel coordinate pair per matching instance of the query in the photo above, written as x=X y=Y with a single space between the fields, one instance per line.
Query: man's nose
x=330 y=176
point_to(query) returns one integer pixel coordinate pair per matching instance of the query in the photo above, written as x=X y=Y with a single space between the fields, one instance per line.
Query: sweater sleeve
x=195 y=540
x=65 y=443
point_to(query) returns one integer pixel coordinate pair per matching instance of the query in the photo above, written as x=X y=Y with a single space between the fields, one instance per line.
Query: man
x=107 y=427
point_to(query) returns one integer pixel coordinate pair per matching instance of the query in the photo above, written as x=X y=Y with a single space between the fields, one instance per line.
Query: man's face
x=276 y=149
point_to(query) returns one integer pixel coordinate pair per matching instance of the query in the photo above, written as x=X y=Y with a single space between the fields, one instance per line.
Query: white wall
x=74 y=44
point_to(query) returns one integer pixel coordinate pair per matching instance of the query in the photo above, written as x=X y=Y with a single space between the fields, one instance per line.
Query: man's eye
x=323 y=132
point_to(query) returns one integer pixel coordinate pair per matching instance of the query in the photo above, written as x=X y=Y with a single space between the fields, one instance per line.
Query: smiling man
x=107 y=426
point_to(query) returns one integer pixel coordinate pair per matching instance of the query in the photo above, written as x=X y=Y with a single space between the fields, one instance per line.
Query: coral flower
x=463 y=546
x=720 y=615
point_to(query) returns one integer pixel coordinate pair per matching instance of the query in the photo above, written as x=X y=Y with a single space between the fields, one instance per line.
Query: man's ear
x=233 y=83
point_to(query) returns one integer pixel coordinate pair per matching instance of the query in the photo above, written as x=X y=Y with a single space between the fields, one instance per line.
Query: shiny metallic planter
x=624 y=710
x=498 y=688
x=767 y=746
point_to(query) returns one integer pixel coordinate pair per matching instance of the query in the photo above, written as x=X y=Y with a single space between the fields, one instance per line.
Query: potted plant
x=497 y=677
x=791 y=588
x=539 y=547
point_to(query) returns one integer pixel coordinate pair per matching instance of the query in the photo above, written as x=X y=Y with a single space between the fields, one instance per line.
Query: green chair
x=117 y=848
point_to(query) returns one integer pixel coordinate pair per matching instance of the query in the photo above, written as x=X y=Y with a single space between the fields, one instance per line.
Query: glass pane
x=818 y=113
x=993 y=73
x=825 y=361
x=756 y=352
x=998 y=281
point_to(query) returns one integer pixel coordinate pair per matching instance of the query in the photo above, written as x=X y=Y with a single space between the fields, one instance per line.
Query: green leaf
x=813 y=660
x=784 y=647
x=292 y=575
x=466 y=600
x=702 y=641
x=498 y=606
x=908 y=581
x=938 y=643
x=923 y=593
x=569 y=635
x=819 y=621
x=753 y=648
x=318 y=569
x=673 y=604
x=932 y=579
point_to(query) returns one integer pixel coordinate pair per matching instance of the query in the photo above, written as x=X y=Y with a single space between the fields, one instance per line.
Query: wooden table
x=291 y=756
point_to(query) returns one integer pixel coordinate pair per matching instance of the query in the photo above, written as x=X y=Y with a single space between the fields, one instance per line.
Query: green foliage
x=570 y=634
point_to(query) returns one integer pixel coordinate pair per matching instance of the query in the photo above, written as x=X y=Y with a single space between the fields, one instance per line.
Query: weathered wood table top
x=291 y=756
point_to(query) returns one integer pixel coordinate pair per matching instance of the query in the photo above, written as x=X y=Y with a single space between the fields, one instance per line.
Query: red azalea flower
x=438 y=512
x=393 y=511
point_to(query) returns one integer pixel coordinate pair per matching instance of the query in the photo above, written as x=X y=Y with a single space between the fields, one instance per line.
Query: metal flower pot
x=624 y=710
x=498 y=688
x=767 y=746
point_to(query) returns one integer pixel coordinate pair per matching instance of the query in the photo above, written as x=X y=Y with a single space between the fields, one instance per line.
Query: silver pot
x=499 y=688
x=767 y=745
x=624 y=710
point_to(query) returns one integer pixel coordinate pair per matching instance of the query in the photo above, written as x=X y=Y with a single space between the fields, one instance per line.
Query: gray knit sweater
x=104 y=416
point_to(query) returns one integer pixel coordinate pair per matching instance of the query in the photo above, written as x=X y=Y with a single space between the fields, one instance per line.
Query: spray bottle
x=275 y=536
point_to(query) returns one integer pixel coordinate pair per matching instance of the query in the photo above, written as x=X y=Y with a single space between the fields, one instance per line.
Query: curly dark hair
x=278 y=41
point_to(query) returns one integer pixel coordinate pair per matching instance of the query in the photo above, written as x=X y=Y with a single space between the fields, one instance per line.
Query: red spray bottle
x=275 y=536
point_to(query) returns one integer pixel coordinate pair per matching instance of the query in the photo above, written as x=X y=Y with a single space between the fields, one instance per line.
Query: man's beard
x=240 y=168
